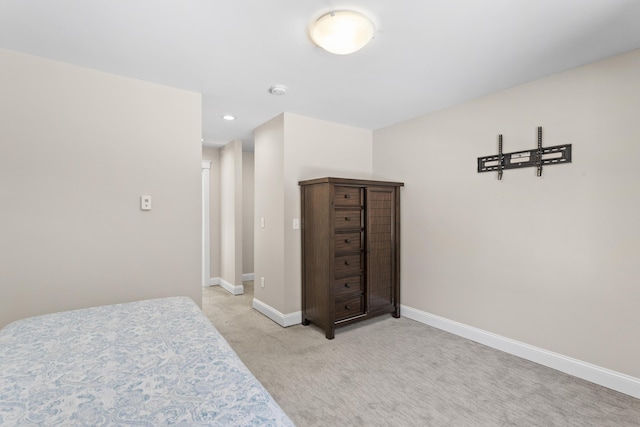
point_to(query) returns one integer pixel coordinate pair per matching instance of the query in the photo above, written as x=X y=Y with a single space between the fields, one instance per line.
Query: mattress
x=147 y=363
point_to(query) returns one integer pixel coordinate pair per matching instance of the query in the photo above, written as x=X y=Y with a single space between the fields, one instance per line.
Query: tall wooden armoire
x=350 y=251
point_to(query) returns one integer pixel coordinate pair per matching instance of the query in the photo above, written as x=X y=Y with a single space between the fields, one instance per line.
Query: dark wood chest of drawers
x=350 y=251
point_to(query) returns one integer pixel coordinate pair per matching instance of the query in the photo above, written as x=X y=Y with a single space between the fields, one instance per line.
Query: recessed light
x=229 y=117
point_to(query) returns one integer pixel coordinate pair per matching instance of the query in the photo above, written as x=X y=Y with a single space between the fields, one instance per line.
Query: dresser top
x=349 y=181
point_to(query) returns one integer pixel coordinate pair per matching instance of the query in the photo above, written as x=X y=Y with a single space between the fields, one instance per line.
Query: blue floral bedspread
x=147 y=363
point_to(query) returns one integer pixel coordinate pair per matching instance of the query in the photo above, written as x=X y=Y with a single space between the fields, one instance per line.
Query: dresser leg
x=396 y=313
x=305 y=322
x=330 y=333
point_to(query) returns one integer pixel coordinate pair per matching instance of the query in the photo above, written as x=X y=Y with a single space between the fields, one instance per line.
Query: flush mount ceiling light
x=228 y=117
x=342 y=31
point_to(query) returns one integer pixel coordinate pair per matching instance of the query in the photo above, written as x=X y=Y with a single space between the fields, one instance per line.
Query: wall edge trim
x=284 y=320
x=213 y=281
x=231 y=288
x=596 y=374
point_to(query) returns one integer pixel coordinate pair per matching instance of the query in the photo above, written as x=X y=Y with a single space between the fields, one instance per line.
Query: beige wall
x=77 y=149
x=551 y=261
x=226 y=174
x=231 y=213
x=247 y=211
x=269 y=204
x=213 y=154
x=291 y=148
x=313 y=149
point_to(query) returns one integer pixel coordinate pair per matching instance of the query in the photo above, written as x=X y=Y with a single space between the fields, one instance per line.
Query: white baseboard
x=595 y=374
x=247 y=276
x=218 y=281
x=281 y=319
x=231 y=288
x=213 y=281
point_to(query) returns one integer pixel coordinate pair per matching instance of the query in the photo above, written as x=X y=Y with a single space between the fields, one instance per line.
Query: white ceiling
x=427 y=54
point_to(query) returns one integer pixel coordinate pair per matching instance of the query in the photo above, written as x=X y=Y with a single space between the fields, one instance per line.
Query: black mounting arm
x=523 y=159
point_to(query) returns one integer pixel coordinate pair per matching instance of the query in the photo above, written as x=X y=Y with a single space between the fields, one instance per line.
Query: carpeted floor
x=398 y=372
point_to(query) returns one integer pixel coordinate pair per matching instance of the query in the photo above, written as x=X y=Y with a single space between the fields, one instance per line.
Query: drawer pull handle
x=346 y=218
x=347 y=285
x=347 y=241
x=347 y=263
x=347 y=196
x=347 y=307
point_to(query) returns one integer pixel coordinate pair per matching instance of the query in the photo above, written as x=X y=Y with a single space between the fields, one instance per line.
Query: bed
x=147 y=363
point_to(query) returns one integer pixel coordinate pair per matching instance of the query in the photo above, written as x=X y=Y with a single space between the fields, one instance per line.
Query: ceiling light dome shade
x=342 y=31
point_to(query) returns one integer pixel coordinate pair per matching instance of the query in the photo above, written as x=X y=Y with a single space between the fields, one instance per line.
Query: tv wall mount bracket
x=537 y=157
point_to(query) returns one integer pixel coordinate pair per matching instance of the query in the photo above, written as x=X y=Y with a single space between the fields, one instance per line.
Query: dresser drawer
x=348 y=285
x=348 y=265
x=347 y=196
x=348 y=219
x=348 y=242
x=349 y=307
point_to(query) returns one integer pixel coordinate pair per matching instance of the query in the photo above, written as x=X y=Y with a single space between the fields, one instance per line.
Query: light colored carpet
x=398 y=372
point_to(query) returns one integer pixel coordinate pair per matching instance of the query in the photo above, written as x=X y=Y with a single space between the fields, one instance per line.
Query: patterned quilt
x=148 y=363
